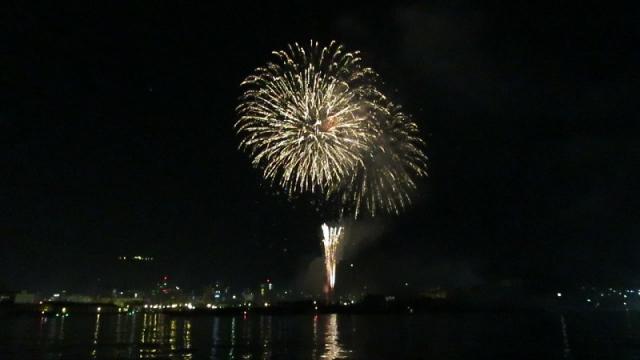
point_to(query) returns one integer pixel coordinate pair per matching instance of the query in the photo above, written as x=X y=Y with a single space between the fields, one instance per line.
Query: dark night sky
x=116 y=138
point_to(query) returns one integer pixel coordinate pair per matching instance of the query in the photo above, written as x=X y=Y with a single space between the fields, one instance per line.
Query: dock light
x=559 y=294
x=99 y=309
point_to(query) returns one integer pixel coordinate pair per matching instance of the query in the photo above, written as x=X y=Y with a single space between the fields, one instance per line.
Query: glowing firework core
x=331 y=236
x=327 y=124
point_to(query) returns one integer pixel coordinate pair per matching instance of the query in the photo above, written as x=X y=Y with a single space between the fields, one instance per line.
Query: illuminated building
x=166 y=291
x=216 y=294
x=266 y=291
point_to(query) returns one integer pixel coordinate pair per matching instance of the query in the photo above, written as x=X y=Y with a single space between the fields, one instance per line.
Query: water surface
x=411 y=336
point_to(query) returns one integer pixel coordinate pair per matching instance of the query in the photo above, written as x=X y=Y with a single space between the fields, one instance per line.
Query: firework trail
x=331 y=236
x=314 y=121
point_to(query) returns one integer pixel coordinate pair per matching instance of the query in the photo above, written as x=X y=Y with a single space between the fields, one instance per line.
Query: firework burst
x=314 y=121
x=385 y=179
x=304 y=118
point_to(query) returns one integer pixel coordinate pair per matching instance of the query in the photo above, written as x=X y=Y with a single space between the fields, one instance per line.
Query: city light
x=136 y=258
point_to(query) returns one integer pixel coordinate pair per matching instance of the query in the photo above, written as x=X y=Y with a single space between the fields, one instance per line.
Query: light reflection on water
x=154 y=335
x=330 y=338
x=433 y=336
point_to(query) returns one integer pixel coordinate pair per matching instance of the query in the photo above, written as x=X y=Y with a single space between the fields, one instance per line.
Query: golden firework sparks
x=314 y=121
x=331 y=236
x=305 y=118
